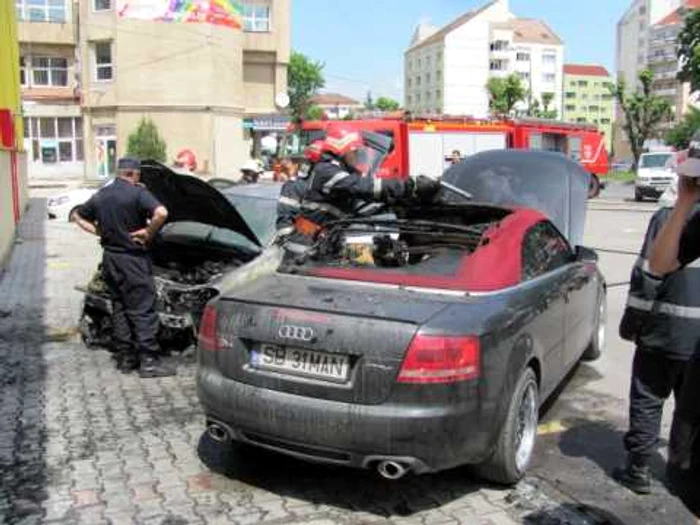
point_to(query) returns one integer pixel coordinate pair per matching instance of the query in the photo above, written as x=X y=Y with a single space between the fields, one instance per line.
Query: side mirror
x=584 y=254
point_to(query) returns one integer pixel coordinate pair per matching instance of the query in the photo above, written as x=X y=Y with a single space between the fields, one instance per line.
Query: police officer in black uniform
x=677 y=246
x=126 y=217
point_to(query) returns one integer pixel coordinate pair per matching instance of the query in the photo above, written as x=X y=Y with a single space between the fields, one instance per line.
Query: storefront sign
x=227 y=13
x=266 y=123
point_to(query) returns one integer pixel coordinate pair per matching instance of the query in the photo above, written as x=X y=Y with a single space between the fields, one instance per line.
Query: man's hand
x=85 y=225
x=424 y=188
x=688 y=192
x=141 y=237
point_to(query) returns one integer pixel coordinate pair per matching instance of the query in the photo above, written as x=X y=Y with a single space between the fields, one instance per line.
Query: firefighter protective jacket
x=663 y=313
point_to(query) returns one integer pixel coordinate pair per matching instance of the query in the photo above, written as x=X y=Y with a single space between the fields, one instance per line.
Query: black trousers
x=684 y=450
x=134 y=319
x=654 y=378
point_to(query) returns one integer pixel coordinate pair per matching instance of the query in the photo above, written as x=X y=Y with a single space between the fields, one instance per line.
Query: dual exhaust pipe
x=388 y=469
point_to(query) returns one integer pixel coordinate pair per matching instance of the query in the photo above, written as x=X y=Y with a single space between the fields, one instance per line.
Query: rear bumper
x=428 y=438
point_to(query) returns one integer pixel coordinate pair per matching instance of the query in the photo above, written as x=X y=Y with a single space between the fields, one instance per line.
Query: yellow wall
x=9 y=67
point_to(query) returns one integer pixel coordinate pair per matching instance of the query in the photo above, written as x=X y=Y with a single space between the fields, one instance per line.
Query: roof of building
x=675 y=16
x=334 y=99
x=585 y=70
x=458 y=22
x=531 y=31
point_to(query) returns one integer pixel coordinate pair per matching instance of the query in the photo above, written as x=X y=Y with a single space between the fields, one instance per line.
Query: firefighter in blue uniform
x=126 y=217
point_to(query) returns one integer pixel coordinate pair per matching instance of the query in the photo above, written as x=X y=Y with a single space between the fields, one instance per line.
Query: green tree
x=644 y=112
x=387 y=104
x=689 y=51
x=305 y=78
x=547 y=99
x=146 y=143
x=314 y=113
x=369 y=101
x=504 y=94
x=679 y=136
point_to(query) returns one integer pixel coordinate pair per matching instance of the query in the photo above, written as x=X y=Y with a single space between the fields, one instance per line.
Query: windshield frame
x=667 y=156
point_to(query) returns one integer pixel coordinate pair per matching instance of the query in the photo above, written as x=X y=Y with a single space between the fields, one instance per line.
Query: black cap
x=129 y=163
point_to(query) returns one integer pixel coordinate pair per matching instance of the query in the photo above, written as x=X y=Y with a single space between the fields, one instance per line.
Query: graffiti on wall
x=227 y=13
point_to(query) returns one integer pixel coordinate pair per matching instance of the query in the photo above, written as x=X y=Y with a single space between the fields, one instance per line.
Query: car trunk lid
x=311 y=337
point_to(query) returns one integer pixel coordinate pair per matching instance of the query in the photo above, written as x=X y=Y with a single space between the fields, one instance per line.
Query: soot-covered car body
x=209 y=234
x=418 y=340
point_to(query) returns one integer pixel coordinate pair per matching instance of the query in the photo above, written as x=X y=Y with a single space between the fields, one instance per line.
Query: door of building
x=105 y=151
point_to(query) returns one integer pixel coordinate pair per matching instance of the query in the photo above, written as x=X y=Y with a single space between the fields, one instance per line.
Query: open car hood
x=547 y=182
x=191 y=199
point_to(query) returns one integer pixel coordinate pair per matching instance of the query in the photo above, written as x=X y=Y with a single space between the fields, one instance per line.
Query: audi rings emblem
x=297 y=333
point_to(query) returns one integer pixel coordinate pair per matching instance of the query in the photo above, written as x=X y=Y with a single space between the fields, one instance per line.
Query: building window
x=497 y=65
x=549 y=59
x=419 y=63
x=256 y=18
x=605 y=121
x=418 y=98
x=438 y=94
x=570 y=94
x=418 y=80
x=439 y=56
x=524 y=75
x=55 y=139
x=22 y=71
x=522 y=57
x=42 y=10
x=548 y=77
x=102 y=5
x=583 y=83
x=103 y=61
x=409 y=82
x=500 y=45
x=409 y=100
x=438 y=75
x=427 y=78
x=47 y=71
x=570 y=108
x=428 y=96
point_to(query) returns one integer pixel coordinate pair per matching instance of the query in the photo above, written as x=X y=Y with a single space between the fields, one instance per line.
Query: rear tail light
x=441 y=359
x=208 y=336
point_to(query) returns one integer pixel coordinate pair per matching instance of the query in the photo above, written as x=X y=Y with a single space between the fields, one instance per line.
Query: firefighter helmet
x=341 y=140
x=314 y=151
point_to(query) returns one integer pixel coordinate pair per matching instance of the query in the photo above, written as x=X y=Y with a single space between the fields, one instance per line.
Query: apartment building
x=446 y=69
x=49 y=76
x=98 y=66
x=633 y=35
x=587 y=97
x=662 y=59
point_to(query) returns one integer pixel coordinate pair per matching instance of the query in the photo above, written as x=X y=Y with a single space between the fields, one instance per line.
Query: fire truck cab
x=427 y=146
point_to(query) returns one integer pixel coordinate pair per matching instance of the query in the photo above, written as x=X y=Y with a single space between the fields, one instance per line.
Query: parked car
x=208 y=235
x=61 y=206
x=654 y=175
x=420 y=339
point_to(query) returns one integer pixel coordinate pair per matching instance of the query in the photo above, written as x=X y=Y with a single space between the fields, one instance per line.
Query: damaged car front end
x=209 y=235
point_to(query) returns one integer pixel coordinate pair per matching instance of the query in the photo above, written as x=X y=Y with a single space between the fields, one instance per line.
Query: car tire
x=598 y=339
x=638 y=196
x=516 y=442
x=594 y=188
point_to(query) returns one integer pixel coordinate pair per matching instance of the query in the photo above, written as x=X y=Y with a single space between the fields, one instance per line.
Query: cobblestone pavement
x=81 y=443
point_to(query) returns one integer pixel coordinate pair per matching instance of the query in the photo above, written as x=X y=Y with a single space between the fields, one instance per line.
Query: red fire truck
x=425 y=146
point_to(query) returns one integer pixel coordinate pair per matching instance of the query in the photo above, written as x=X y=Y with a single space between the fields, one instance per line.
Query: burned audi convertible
x=418 y=339
x=208 y=236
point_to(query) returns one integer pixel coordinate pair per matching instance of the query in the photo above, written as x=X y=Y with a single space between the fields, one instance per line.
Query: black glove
x=423 y=188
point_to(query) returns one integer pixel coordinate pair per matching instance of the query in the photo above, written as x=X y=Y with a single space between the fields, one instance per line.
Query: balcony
x=46 y=33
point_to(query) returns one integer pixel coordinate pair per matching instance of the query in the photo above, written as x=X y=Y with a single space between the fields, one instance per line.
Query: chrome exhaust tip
x=392 y=470
x=218 y=433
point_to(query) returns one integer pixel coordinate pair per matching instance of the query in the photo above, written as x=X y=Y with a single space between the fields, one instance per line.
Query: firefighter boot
x=154 y=366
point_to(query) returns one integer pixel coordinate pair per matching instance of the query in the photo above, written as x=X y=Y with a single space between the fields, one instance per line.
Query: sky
x=362 y=42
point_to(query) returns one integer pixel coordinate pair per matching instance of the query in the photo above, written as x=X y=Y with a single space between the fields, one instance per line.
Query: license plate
x=306 y=363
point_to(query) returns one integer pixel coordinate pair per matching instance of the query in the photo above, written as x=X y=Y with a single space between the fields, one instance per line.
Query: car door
x=581 y=309
x=545 y=267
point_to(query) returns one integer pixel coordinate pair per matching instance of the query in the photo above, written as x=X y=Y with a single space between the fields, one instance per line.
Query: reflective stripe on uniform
x=288 y=201
x=686 y=312
x=328 y=186
x=285 y=231
x=321 y=206
x=377 y=188
x=640 y=304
